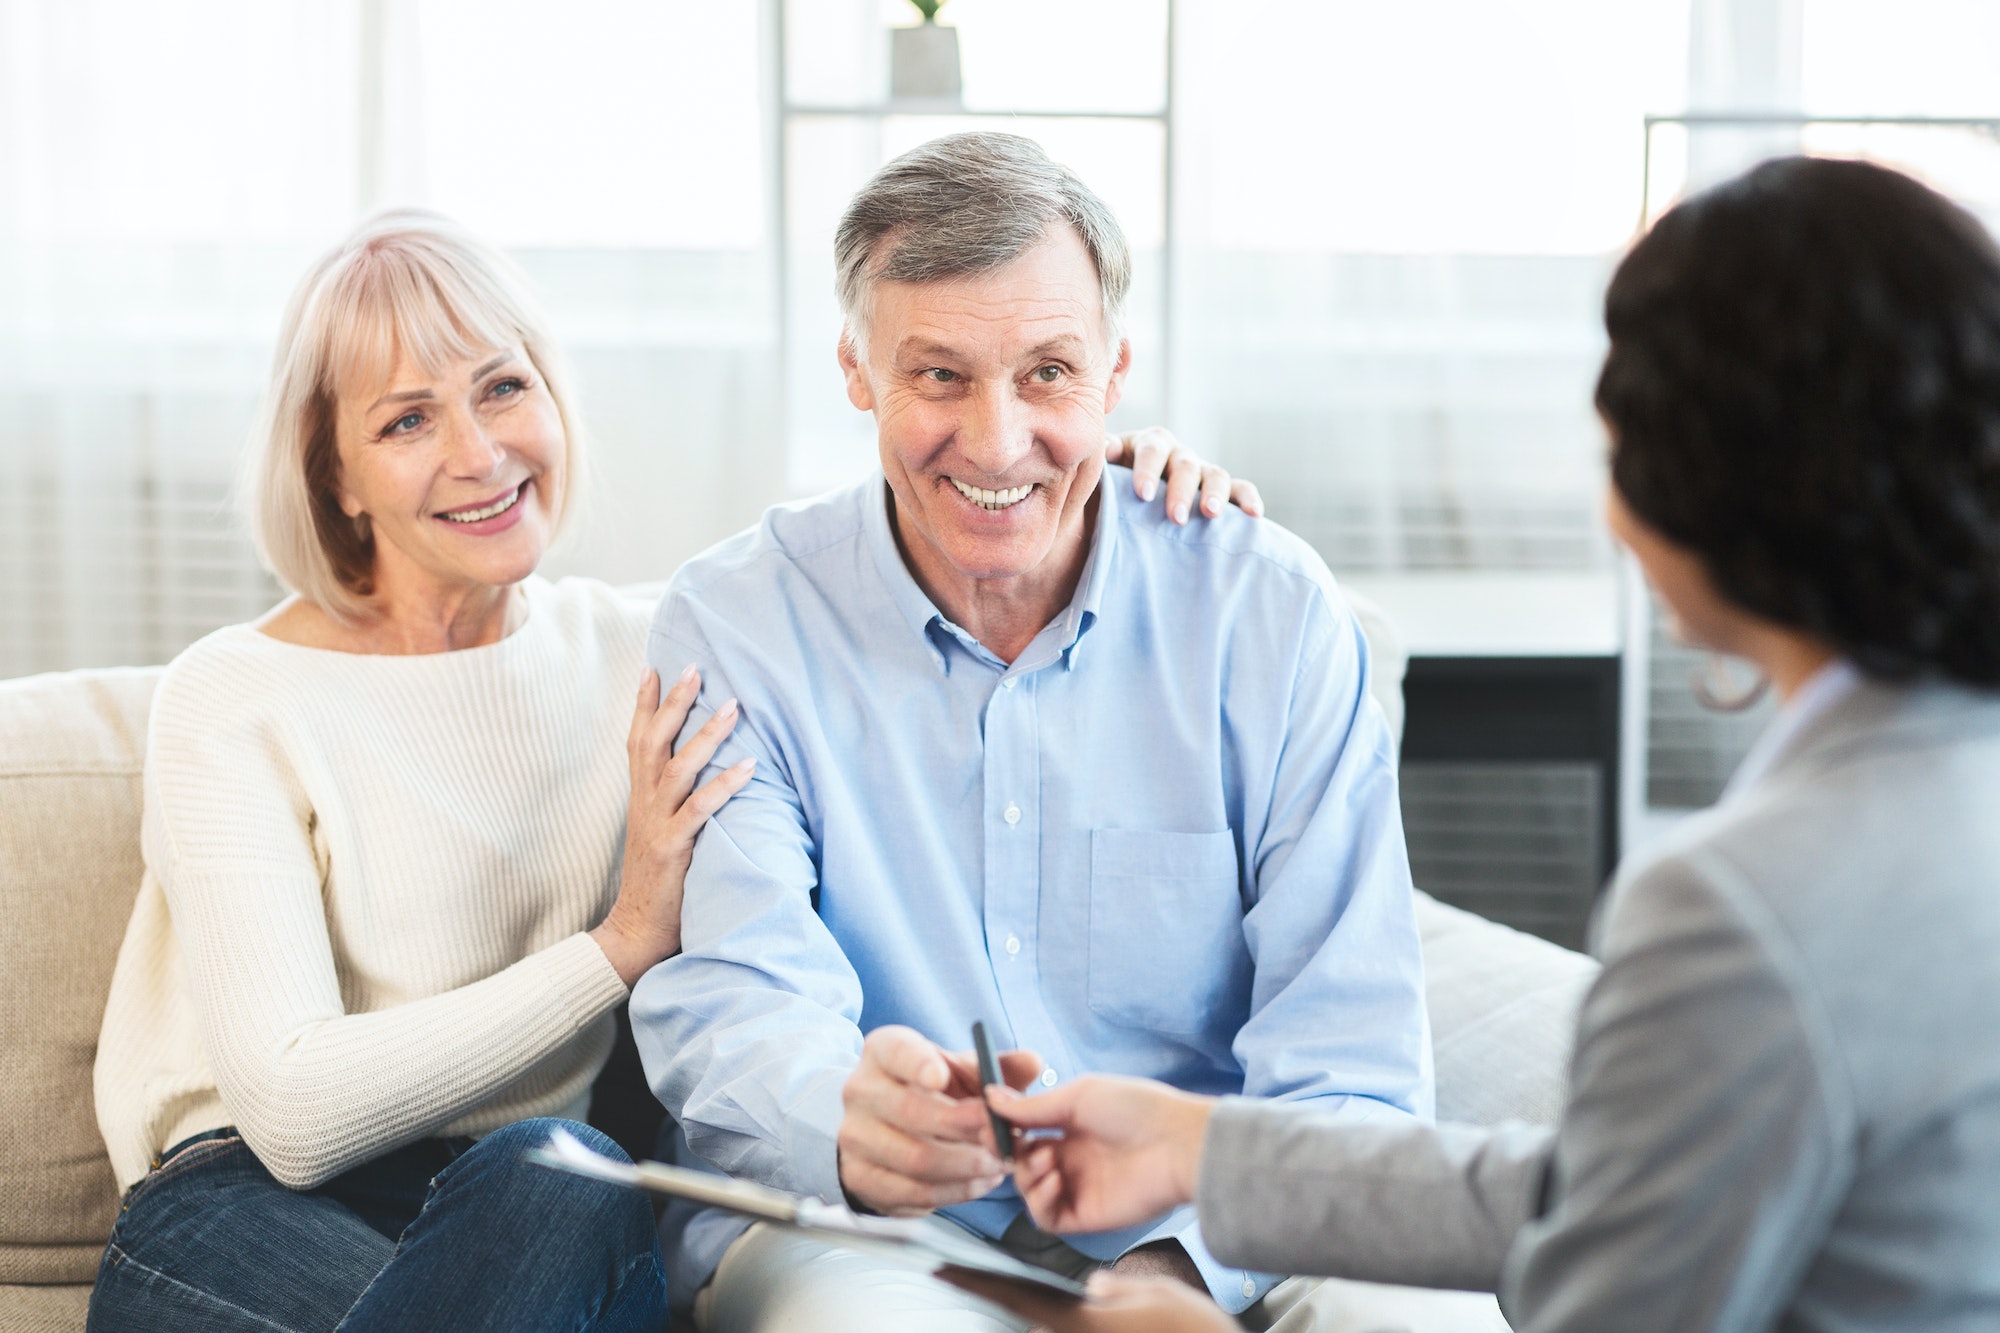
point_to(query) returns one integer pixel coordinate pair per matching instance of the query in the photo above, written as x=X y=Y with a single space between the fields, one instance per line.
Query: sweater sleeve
x=314 y=1089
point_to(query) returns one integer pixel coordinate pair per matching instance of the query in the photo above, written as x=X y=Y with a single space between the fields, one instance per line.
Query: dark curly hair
x=1803 y=388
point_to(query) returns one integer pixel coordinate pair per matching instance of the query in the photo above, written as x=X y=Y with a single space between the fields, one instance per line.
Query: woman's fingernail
x=1152 y=488
x=1180 y=514
x=687 y=674
x=727 y=710
x=744 y=765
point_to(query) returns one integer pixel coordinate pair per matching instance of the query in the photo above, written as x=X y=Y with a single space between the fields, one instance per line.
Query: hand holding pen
x=916 y=1134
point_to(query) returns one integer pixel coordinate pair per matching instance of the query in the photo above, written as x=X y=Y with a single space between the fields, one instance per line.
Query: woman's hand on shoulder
x=1154 y=452
x=665 y=813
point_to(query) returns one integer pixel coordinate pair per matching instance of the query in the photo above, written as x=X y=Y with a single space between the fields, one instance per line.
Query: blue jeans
x=441 y=1235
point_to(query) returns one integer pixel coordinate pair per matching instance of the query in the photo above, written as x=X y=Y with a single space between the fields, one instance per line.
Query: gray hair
x=965 y=204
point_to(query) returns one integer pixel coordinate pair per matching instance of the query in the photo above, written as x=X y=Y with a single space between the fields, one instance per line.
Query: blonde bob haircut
x=406 y=282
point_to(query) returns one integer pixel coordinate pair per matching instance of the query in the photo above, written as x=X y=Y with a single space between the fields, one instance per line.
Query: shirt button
x=1048 y=1078
x=1008 y=683
x=1249 y=1287
x=1012 y=814
x=1013 y=944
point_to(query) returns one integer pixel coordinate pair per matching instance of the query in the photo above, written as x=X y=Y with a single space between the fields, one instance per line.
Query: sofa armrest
x=1503 y=1008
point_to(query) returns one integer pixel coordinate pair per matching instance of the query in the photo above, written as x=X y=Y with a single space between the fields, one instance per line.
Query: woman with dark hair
x=1784 y=1104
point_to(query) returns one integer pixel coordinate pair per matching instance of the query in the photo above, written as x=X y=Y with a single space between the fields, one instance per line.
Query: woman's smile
x=488 y=516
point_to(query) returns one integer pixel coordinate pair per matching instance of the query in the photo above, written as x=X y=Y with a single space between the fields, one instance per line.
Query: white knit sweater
x=367 y=880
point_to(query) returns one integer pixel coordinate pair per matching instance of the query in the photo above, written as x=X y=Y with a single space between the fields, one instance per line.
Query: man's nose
x=996 y=431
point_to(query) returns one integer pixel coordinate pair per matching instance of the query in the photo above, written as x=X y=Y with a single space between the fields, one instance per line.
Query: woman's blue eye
x=509 y=385
x=407 y=423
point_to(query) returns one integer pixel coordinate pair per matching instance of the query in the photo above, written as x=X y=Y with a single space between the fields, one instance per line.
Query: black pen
x=989 y=1074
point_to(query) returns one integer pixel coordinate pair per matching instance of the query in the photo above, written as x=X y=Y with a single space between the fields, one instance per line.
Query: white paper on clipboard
x=907 y=1242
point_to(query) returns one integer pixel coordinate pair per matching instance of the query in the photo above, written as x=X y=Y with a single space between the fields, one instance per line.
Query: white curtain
x=1391 y=228
x=166 y=174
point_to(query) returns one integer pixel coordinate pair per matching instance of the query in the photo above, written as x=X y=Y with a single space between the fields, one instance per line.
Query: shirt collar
x=1082 y=611
x=909 y=599
x=925 y=620
x=1822 y=690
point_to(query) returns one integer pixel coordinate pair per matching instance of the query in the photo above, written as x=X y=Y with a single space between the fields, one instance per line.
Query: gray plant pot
x=923 y=63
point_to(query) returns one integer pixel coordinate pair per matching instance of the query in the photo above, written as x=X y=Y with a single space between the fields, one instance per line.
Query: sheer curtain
x=1392 y=225
x=1397 y=224
x=167 y=172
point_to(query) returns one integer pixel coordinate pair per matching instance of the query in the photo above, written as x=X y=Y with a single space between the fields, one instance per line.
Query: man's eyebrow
x=927 y=349
x=419 y=395
x=1062 y=345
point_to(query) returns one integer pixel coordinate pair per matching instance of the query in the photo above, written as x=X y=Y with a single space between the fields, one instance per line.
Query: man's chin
x=974 y=563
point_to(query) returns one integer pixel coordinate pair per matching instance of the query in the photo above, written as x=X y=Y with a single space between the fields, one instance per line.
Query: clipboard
x=904 y=1241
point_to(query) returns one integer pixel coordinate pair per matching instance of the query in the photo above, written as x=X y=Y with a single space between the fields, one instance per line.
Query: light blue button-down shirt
x=1164 y=841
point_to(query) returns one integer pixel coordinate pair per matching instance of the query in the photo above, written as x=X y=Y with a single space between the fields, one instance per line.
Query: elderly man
x=1025 y=754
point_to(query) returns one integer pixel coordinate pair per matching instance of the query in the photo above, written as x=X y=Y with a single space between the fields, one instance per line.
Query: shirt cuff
x=1234 y=1289
x=811 y=1160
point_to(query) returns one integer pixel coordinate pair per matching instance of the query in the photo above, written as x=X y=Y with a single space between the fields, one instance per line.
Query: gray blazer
x=1784 y=1104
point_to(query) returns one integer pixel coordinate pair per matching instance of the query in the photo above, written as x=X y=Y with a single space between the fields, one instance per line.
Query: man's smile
x=986 y=499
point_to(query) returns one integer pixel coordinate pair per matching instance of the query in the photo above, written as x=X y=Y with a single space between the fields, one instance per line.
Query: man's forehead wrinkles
x=997 y=333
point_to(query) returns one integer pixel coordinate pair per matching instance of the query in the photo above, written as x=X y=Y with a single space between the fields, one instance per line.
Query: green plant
x=928 y=8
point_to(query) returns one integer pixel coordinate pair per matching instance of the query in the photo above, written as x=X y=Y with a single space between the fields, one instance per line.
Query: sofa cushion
x=1503 y=1016
x=70 y=752
x=44 y=1309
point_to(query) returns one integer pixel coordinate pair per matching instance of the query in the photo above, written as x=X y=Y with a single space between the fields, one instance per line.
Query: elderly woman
x=1785 y=1096
x=399 y=870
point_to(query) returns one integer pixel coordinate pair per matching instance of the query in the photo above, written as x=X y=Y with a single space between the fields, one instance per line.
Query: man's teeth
x=986 y=499
x=499 y=506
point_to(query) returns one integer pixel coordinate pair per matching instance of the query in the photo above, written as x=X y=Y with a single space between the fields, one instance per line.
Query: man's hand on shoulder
x=915 y=1134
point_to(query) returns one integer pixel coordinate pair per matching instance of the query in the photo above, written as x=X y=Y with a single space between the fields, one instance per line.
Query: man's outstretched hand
x=915 y=1134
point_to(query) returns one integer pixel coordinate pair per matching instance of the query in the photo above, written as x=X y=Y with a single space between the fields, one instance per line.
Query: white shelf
x=1500 y=614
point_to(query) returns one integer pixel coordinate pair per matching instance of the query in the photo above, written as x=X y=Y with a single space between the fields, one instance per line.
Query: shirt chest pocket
x=1166 y=930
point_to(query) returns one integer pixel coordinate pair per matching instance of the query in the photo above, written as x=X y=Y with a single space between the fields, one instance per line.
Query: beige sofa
x=71 y=745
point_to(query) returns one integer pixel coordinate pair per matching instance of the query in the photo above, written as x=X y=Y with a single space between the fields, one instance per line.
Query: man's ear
x=1114 y=388
x=859 y=391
